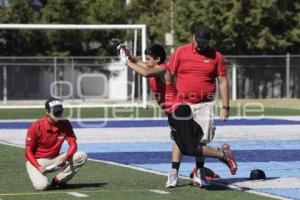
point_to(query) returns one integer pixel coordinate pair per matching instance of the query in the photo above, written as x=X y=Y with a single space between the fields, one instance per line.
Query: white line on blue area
x=248 y=190
x=286 y=192
x=167 y=146
x=108 y=123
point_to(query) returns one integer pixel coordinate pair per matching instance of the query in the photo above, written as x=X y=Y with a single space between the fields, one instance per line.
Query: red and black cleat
x=229 y=159
x=209 y=174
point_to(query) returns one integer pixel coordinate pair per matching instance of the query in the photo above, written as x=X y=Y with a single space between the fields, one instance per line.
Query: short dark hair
x=156 y=51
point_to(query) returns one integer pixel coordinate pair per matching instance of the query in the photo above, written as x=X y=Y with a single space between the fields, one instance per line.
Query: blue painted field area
x=272 y=145
x=279 y=159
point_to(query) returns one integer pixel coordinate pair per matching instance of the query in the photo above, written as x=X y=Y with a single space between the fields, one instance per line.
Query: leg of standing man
x=173 y=174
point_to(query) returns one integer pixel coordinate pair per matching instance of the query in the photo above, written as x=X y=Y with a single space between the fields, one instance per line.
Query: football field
x=129 y=159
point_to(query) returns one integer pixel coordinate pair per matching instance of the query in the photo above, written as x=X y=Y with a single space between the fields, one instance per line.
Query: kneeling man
x=43 y=142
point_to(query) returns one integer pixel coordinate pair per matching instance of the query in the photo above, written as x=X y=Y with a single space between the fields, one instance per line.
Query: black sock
x=175 y=165
x=199 y=165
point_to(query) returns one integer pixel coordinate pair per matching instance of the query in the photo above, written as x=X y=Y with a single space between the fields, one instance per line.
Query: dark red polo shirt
x=45 y=139
x=195 y=73
x=164 y=94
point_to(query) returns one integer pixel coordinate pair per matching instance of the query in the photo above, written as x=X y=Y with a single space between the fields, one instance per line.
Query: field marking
x=11 y=144
x=65 y=192
x=219 y=183
x=159 y=191
x=231 y=186
x=160 y=134
x=272 y=183
x=77 y=194
x=248 y=190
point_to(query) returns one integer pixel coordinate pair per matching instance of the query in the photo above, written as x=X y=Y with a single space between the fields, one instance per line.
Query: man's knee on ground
x=40 y=186
x=80 y=157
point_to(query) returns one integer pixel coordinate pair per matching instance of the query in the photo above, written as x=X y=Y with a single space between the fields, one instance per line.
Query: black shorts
x=186 y=133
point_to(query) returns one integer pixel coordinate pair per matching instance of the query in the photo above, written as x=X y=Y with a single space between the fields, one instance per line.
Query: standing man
x=186 y=133
x=196 y=66
x=43 y=143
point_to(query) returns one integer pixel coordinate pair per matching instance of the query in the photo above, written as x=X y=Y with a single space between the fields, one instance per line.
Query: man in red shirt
x=43 y=143
x=186 y=133
x=196 y=67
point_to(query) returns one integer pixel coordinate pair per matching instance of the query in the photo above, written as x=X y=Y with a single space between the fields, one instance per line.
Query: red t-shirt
x=195 y=73
x=45 y=139
x=164 y=94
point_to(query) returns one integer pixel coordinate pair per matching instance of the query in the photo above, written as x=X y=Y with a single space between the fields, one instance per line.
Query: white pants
x=204 y=116
x=40 y=181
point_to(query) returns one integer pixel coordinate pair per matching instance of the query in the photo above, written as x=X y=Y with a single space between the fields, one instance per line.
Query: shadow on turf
x=211 y=187
x=222 y=184
x=80 y=185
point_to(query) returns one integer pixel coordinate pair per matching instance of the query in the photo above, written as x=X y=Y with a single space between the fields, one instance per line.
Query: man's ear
x=194 y=39
x=158 y=60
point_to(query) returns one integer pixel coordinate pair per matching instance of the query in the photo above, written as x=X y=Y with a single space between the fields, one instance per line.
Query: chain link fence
x=254 y=77
x=106 y=78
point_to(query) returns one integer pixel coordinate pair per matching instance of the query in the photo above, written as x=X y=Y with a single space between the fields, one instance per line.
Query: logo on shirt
x=60 y=137
x=206 y=61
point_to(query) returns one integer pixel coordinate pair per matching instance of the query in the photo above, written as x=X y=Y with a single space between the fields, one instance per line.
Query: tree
x=155 y=14
x=19 y=42
x=105 y=12
x=243 y=26
x=62 y=42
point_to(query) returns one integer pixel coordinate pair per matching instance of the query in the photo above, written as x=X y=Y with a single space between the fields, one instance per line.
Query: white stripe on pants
x=40 y=181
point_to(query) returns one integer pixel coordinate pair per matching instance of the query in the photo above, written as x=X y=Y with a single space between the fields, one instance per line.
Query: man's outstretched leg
x=224 y=153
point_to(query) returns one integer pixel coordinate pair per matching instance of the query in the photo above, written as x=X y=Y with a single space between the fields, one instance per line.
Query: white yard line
x=77 y=194
x=159 y=191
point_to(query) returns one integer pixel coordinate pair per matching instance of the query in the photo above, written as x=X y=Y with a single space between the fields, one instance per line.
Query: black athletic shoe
x=55 y=183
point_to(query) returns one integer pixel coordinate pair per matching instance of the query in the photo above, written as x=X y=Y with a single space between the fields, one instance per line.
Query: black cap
x=54 y=105
x=202 y=34
x=257 y=174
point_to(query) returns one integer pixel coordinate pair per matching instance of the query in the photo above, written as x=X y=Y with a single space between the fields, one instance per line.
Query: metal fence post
x=234 y=82
x=55 y=78
x=287 y=78
x=72 y=76
x=4 y=84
